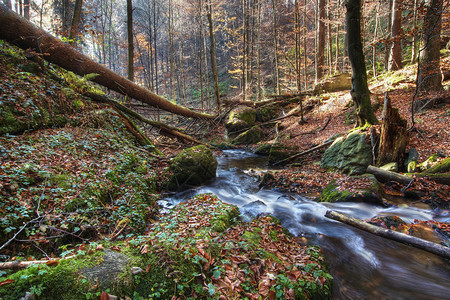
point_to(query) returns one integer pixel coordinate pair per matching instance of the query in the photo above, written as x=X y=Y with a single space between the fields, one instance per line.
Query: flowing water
x=364 y=266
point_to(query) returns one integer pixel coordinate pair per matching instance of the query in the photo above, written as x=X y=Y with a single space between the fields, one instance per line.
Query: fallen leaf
x=5 y=282
x=52 y=263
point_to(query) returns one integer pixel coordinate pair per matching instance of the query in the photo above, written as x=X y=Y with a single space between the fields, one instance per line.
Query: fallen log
x=164 y=129
x=441 y=167
x=17 y=264
x=17 y=30
x=391 y=234
x=385 y=176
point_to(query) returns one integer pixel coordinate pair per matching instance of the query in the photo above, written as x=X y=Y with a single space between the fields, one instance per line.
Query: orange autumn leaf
x=52 y=263
x=5 y=282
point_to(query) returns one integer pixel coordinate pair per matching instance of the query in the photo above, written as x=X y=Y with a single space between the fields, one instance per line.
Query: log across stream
x=364 y=266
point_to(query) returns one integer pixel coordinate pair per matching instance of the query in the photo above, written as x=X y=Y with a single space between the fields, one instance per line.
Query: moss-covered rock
x=251 y=136
x=279 y=152
x=263 y=149
x=240 y=118
x=350 y=154
x=336 y=83
x=265 y=114
x=340 y=191
x=191 y=167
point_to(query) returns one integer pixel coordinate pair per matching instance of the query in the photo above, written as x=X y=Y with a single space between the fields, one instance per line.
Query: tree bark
x=395 y=54
x=429 y=76
x=130 y=66
x=320 y=57
x=75 y=22
x=360 y=91
x=385 y=176
x=394 y=135
x=392 y=235
x=213 y=56
x=19 y=31
x=275 y=42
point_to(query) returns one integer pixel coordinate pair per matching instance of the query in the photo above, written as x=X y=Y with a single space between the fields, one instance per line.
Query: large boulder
x=191 y=167
x=350 y=154
x=240 y=118
x=341 y=82
x=251 y=136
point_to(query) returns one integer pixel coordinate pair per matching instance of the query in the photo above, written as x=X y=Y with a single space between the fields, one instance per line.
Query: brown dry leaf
x=5 y=282
x=52 y=263
x=116 y=248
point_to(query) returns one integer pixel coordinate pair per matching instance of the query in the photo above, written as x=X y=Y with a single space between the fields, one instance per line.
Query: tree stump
x=394 y=135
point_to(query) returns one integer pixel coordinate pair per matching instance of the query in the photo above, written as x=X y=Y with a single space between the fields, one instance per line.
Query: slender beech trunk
x=26 y=9
x=76 y=19
x=171 y=54
x=258 y=58
x=338 y=28
x=212 y=51
x=320 y=58
x=395 y=54
x=275 y=42
x=297 y=44
x=375 y=36
x=305 y=47
x=244 y=52
x=330 y=40
x=429 y=76
x=414 y=34
x=130 y=66
x=155 y=40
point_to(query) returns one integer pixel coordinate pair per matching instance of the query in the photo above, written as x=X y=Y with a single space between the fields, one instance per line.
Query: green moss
x=9 y=124
x=251 y=238
x=332 y=194
x=192 y=166
x=63 y=281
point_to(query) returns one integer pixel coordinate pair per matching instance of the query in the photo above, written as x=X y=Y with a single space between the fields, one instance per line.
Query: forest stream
x=364 y=266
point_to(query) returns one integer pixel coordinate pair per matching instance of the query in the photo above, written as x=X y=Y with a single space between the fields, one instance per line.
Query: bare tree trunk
x=305 y=56
x=429 y=77
x=171 y=55
x=375 y=35
x=244 y=52
x=297 y=45
x=76 y=19
x=360 y=91
x=155 y=39
x=414 y=34
x=130 y=66
x=275 y=41
x=19 y=31
x=26 y=9
x=258 y=58
x=330 y=40
x=338 y=28
x=320 y=58
x=213 y=56
x=395 y=54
